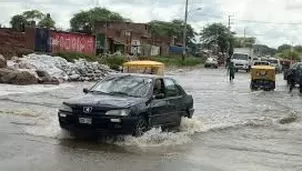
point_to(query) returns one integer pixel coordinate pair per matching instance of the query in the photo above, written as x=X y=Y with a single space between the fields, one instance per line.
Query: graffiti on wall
x=70 y=42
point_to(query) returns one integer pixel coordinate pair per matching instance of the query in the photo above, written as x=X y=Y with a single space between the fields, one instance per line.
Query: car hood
x=104 y=101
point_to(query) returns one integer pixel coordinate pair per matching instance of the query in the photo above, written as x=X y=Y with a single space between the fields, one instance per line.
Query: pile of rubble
x=54 y=69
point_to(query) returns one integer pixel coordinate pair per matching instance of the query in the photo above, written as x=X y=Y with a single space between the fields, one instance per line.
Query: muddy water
x=232 y=129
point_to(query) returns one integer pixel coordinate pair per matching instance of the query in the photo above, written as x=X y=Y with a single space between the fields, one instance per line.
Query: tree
x=298 y=48
x=284 y=47
x=33 y=15
x=217 y=35
x=288 y=54
x=84 y=21
x=26 y=17
x=173 y=28
x=264 y=50
x=47 y=22
x=18 y=22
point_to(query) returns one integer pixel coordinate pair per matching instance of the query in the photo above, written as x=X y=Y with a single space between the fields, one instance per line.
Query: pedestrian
x=291 y=81
x=231 y=70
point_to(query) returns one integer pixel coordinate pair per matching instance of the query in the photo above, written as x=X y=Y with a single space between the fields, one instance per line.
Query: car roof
x=139 y=75
x=144 y=63
x=263 y=67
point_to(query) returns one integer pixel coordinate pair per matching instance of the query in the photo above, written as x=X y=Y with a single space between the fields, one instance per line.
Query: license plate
x=85 y=121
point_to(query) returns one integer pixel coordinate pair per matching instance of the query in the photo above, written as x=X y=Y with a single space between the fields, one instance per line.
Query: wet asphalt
x=232 y=129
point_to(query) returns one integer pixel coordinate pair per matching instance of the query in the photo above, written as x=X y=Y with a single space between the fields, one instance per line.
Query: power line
x=270 y=22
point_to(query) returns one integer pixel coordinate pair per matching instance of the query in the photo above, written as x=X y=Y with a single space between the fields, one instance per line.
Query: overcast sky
x=272 y=22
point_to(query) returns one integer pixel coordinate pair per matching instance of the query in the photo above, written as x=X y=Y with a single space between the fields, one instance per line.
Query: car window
x=158 y=87
x=171 y=89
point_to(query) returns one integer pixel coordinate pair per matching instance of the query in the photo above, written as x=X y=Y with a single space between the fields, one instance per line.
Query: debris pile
x=54 y=68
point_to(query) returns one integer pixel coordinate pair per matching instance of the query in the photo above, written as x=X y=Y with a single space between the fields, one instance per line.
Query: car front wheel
x=140 y=127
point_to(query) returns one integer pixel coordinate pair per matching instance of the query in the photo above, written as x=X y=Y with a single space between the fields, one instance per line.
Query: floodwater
x=232 y=129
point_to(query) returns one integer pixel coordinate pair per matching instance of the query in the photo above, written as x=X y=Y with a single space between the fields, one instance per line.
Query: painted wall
x=72 y=42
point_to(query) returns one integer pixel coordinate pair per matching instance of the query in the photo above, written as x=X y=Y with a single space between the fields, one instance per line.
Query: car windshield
x=124 y=85
x=240 y=56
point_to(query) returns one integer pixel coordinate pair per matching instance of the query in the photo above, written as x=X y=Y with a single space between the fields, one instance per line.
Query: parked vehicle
x=275 y=63
x=144 y=67
x=127 y=104
x=296 y=71
x=211 y=63
x=263 y=77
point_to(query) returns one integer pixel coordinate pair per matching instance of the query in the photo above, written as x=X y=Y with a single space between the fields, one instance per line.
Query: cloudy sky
x=272 y=22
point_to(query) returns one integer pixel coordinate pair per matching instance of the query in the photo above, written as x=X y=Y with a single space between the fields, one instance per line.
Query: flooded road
x=232 y=129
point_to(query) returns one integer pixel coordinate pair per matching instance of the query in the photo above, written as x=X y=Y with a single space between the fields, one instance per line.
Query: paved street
x=232 y=129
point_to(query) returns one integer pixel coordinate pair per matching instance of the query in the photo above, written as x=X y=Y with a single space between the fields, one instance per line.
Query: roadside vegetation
x=115 y=62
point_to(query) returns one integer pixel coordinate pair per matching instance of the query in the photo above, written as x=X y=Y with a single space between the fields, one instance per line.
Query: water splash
x=157 y=138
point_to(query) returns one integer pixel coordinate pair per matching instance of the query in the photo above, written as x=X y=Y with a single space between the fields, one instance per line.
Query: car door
x=159 y=107
x=174 y=99
x=298 y=73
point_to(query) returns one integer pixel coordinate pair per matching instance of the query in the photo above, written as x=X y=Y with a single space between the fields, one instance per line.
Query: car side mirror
x=159 y=96
x=85 y=90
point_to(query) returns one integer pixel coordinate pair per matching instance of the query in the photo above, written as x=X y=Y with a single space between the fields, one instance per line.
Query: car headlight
x=65 y=108
x=123 y=112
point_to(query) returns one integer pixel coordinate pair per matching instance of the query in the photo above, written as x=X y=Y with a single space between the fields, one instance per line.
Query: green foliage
x=84 y=21
x=18 y=21
x=47 y=22
x=72 y=56
x=284 y=47
x=33 y=15
x=114 y=62
x=264 y=50
x=298 y=48
x=174 y=28
x=288 y=54
x=177 y=61
x=217 y=35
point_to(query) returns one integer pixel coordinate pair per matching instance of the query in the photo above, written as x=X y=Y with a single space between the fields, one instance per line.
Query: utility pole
x=229 y=22
x=244 y=35
x=185 y=31
x=230 y=32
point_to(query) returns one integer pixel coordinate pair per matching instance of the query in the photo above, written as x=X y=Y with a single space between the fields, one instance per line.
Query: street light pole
x=185 y=31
